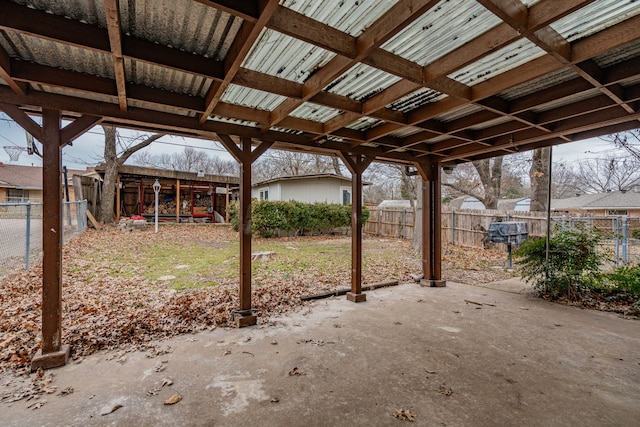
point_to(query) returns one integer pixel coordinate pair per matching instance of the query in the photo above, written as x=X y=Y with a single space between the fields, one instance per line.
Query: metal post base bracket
x=50 y=360
x=430 y=283
x=356 y=297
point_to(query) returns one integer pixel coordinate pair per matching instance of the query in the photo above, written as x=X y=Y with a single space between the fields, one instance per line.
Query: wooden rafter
x=112 y=14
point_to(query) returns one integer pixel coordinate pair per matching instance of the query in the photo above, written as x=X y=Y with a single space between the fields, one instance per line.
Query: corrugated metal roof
x=441 y=30
x=361 y=82
x=285 y=130
x=416 y=99
x=279 y=55
x=595 y=17
x=253 y=98
x=458 y=113
x=498 y=62
x=89 y=11
x=490 y=123
x=70 y=92
x=168 y=79
x=349 y=16
x=407 y=131
x=45 y=52
x=364 y=123
x=181 y=24
x=234 y=121
x=161 y=108
x=315 y=112
x=616 y=56
x=567 y=100
x=544 y=82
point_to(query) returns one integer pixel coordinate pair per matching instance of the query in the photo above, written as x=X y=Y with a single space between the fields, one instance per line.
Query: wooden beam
x=77 y=128
x=244 y=40
x=23 y=120
x=112 y=15
x=5 y=73
x=249 y=10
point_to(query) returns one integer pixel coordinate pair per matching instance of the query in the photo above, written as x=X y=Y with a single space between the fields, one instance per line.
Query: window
x=15 y=195
x=346 y=197
x=264 y=194
x=616 y=212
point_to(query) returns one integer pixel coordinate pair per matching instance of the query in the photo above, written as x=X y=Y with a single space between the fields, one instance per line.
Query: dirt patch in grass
x=124 y=290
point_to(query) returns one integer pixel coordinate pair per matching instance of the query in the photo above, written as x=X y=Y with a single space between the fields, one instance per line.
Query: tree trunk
x=105 y=214
x=416 y=243
x=491 y=178
x=539 y=175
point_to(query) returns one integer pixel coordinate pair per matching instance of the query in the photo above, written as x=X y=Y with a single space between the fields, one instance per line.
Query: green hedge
x=271 y=217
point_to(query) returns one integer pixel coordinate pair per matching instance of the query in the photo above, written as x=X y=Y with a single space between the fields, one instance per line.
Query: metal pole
x=614 y=226
x=624 y=239
x=28 y=244
x=546 y=254
x=156 y=190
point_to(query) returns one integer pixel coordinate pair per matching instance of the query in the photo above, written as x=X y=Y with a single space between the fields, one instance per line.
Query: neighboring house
x=613 y=203
x=318 y=188
x=397 y=203
x=19 y=184
x=466 y=202
x=522 y=204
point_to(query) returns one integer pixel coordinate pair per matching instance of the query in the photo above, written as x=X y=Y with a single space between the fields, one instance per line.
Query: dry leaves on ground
x=404 y=415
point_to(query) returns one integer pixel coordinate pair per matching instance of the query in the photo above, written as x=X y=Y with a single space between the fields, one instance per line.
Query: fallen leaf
x=112 y=410
x=173 y=399
x=275 y=400
x=445 y=390
x=65 y=392
x=404 y=415
x=167 y=381
x=296 y=372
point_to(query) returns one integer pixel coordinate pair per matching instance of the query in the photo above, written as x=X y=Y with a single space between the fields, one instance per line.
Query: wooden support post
x=52 y=353
x=226 y=206
x=357 y=165
x=245 y=315
x=431 y=224
x=177 y=201
x=118 y=209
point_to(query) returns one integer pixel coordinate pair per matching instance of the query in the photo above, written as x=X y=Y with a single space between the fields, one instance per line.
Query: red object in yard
x=138 y=218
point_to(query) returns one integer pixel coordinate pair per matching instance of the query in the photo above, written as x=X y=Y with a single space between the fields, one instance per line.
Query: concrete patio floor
x=512 y=361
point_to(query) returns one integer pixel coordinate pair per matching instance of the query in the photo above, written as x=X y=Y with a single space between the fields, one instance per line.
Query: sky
x=87 y=149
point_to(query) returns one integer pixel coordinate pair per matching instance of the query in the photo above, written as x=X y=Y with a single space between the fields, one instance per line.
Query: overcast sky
x=87 y=149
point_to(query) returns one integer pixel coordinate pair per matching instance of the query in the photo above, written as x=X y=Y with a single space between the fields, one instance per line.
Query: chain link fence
x=21 y=231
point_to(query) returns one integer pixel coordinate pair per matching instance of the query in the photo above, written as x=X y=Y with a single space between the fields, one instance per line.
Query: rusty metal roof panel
x=441 y=30
x=253 y=98
x=315 y=112
x=498 y=62
x=283 y=56
x=45 y=52
x=595 y=17
x=89 y=11
x=182 y=24
x=168 y=79
x=416 y=99
x=349 y=16
x=361 y=82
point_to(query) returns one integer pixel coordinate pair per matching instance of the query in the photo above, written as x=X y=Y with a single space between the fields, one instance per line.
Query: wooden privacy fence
x=459 y=227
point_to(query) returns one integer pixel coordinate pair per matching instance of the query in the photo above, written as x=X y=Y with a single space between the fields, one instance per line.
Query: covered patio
x=424 y=84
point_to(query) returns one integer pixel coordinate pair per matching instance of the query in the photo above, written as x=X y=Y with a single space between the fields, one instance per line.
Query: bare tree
x=483 y=181
x=630 y=141
x=116 y=153
x=277 y=163
x=608 y=173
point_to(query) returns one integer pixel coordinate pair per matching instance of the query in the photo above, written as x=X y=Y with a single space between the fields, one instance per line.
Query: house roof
x=612 y=200
x=306 y=177
x=152 y=173
x=26 y=177
x=398 y=80
x=510 y=204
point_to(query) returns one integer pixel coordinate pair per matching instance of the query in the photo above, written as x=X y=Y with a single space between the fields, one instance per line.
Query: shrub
x=635 y=233
x=574 y=261
x=268 y=217
x=626 y=279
